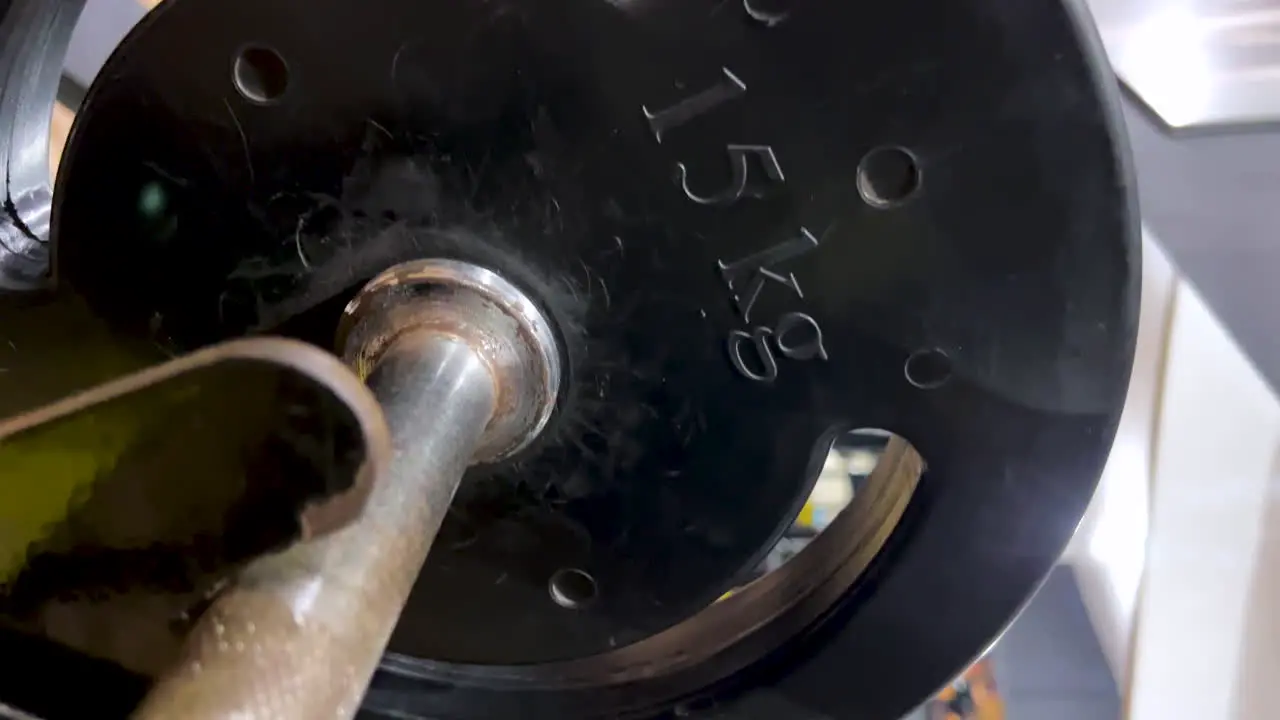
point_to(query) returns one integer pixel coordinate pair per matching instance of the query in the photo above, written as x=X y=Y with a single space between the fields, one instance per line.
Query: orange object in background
x=59 y=129
x=973 y=696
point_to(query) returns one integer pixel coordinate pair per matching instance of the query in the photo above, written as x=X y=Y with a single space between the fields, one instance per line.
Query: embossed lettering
x=766 y=17
x=689 y=108
x=809 y=344
x=754 y=270
x=758 y=342
x=752 y=355
x=738 y=157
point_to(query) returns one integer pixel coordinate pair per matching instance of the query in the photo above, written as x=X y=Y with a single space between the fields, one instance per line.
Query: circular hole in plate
x=260 y=74
x=928 y=369
x=888 y=176
x=572 y=588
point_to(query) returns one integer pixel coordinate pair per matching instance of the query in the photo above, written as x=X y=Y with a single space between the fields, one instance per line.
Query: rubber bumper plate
x=758 y=225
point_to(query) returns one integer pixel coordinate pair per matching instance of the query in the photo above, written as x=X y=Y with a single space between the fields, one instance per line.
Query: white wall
x=1109 y=549
x=1189 y=505
x=1216 y=442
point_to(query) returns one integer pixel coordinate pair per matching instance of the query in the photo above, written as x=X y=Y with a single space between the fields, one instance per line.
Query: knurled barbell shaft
x=300 y=634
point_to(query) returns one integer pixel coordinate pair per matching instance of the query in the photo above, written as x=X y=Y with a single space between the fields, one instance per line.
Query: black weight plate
x=975 y=285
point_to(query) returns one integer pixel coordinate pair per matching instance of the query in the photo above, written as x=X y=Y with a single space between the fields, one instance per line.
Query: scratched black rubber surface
x=677 y=182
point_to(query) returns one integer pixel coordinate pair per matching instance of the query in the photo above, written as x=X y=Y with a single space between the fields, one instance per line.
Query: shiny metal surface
x=1197 y=63
x=526 y=361
x=300 y=634
x=33 y=42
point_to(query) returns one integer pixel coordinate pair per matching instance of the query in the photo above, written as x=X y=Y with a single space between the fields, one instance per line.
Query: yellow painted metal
x=50 y=347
